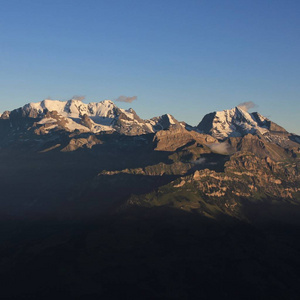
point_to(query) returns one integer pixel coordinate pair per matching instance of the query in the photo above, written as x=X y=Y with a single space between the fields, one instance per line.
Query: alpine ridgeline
x=50 y=116
x=234 y=163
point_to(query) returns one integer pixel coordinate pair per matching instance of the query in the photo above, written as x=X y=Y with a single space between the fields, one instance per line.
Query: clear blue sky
x=186 y=58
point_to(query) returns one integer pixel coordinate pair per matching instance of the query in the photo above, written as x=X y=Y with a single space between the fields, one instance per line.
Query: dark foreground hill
x=149 y=253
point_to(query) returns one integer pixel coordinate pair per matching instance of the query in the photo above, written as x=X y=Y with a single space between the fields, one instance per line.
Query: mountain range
x=105 y=116
x=105 y=199
x=74 y=115
x=165 y=146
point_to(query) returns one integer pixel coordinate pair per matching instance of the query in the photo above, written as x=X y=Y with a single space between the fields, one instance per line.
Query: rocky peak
x=5 y=115
x=86 y=121
x=266 y=123
x=237 y=122
x=164 y=122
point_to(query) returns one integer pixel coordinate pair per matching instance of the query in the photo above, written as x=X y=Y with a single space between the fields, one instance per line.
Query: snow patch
x=47 y=121
x=171 y=119
x=234 y=123
x=72 y=125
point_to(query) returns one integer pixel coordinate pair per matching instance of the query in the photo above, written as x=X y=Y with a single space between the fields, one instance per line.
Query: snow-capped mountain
x=54 y=118
x=71 y=115
x=237 y=122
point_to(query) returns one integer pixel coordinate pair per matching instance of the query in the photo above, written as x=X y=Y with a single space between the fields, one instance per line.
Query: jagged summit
x=232 y=122
x=237 y=122
x=55 y=116
x=71 y=115
x=72 y=108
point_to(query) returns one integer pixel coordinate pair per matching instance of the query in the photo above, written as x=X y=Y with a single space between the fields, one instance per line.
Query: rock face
x=260 y=147
x=87 y=121
x=247 y=180
x=266 y=123
x=5 y=115
x=176 y=137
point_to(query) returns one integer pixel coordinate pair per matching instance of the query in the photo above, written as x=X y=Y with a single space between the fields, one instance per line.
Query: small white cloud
x=246 y=105
x=200 y=161
x=126 y=99
x=220 y=148
x=76 y=97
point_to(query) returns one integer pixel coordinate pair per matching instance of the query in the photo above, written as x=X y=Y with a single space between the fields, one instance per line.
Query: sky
x=186 y=58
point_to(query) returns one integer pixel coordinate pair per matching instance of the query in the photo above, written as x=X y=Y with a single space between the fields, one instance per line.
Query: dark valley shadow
x=157 y=253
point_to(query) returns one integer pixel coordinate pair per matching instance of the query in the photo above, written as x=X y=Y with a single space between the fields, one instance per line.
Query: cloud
x=200 y=161
x=76 y=97
x=220 y=148
x=126 y=99
x=246 y=105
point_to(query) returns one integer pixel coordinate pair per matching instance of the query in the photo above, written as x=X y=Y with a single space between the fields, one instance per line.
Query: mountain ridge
x=237 y=122
x=95 y=117
x=101 y=116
